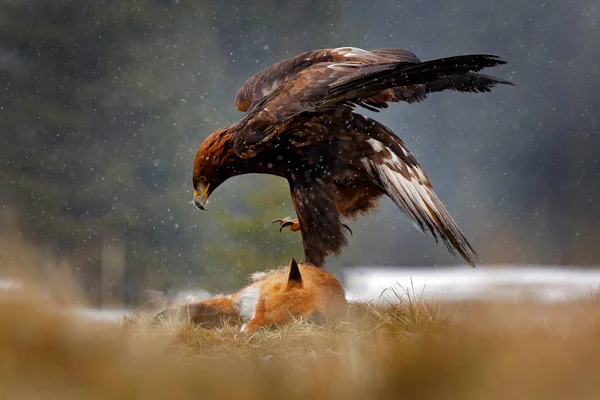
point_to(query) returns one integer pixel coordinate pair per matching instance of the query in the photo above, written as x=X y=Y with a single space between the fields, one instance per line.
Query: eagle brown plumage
x=301 y=124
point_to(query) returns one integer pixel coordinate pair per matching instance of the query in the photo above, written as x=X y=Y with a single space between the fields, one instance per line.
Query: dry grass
x=401 y=348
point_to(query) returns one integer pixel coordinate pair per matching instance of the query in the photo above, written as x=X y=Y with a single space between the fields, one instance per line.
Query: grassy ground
x=404 y=348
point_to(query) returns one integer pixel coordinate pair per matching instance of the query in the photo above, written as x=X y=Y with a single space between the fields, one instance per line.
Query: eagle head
x=214 y=164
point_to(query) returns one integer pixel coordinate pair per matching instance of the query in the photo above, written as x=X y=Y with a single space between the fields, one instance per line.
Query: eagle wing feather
x=328 y=85
x=408 y=186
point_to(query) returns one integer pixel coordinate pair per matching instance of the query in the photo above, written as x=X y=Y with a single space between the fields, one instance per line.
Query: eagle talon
x=284 y=222
x=347 y=227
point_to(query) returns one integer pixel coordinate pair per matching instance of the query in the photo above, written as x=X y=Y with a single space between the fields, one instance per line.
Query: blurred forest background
x=103 y=105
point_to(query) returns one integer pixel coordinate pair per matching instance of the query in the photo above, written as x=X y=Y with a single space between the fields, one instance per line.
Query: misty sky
x=102 y=110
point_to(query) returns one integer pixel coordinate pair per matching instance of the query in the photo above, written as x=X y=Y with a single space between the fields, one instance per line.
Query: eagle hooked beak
x=201 y=198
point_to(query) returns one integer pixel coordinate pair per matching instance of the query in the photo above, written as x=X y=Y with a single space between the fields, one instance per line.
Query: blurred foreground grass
x=402 y=348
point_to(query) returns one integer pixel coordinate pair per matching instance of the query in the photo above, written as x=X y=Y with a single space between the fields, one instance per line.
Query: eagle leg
x=295 y=225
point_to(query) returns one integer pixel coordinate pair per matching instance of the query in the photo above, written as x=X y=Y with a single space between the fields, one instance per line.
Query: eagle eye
x=202 y=179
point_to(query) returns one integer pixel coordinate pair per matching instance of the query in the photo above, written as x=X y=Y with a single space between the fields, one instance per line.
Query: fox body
x=273 y=298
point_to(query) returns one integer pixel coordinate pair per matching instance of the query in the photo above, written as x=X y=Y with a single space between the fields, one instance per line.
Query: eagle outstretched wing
x=405 y=182
x=265 y=82
x=370 y=81
x=363 y=151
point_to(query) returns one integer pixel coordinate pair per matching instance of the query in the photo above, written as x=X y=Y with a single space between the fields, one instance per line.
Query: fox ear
x=294 y=278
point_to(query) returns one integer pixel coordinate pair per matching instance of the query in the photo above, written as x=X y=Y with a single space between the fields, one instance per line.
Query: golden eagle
x=301 y=124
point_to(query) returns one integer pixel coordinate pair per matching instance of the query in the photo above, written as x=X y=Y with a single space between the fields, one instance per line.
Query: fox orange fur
x=273 y=298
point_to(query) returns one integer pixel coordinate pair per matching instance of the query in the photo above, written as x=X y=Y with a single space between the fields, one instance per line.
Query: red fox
x=273 y=298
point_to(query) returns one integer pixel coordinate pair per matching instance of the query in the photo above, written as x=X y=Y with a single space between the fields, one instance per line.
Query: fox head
x=297 y=291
